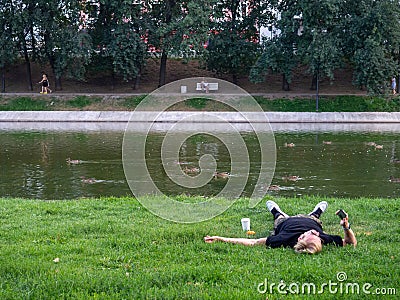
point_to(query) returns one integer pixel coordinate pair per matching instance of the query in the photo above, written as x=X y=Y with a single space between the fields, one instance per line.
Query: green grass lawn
x=349 y=103
x=116 y=249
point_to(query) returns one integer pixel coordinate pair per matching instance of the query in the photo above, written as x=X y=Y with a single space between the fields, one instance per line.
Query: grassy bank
x=333 y=104
x=116 y=249
x=326 y=104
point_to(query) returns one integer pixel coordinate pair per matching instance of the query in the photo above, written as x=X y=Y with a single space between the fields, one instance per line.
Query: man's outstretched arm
x=349 y=236
x=240 y=241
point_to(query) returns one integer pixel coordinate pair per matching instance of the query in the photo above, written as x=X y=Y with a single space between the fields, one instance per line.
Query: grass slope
x=115 y=249
x=348 y=103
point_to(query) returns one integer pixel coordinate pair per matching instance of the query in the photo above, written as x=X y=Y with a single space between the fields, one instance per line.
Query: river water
x=326 y=161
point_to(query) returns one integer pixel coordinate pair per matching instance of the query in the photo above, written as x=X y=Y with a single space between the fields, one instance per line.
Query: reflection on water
x=34 y=164
x=347 y=164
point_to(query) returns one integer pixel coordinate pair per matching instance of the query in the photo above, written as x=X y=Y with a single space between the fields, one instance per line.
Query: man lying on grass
x=301 y=232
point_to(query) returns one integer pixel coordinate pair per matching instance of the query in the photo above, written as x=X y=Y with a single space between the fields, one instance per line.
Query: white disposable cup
x=246 y=224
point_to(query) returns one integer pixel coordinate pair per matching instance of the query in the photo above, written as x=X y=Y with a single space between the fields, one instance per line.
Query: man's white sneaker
x=319 y=209
x=271 y=205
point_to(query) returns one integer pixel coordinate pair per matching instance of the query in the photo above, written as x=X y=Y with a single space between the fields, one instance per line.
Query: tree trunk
x=52 y=60
x=234 y=79
x=285 y=83
x=28 y=68
x=31 y=13
x=163 y=68
x=57 y=78
x=33 y=44
x=27 y=63
x=136 y=83
x=3 y=79
x=113 y=80
x=59 y=83
x=170 y=4
x=314 y=83
x=29 y=74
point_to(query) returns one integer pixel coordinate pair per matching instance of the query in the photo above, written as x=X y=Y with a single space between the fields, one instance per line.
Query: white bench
x=212 y=86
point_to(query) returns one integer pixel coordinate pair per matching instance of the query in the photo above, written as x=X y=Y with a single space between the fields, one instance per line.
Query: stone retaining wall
x=174 y=116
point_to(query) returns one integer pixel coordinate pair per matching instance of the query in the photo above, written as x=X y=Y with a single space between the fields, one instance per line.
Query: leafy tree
x=100 y=24
x=117 y=30
x=277 y=57
x=279 y=54
x=234 y=42
x=372 y=41
x=373 y=67
x=7 y=48
x=177 y=27
x=25 y=16
x=74 y=54
x=321 y=39
x=325 y=34
x=309 y=34
x=230 y=53
x=64 y=45
x=127 y=47
x=128 y=52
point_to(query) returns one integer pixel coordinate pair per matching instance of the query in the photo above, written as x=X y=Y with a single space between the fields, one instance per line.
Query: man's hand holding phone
x=344 y=219
x=341 y=214
x=349 y=237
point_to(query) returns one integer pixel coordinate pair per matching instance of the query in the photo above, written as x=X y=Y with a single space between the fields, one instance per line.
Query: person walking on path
x=45 y=85
x=303 y=233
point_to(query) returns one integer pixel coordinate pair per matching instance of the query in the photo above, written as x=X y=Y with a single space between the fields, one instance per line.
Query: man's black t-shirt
x=288 y=232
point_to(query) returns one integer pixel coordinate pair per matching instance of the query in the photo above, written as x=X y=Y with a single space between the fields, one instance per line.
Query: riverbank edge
x=199 y=117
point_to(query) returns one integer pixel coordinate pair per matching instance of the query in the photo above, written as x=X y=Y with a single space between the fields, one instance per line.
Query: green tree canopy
x=117 y=29
x=309 y=34
x=8 y=47
x=321 y=35
x=234 y=41
x=178 y=28
x=372 y=42
x=324 y=35
x=64 y=45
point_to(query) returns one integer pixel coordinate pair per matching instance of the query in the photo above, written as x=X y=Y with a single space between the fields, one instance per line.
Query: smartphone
x=341 y=214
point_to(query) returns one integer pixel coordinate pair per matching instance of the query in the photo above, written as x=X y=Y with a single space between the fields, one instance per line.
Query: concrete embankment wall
x=207 y=117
